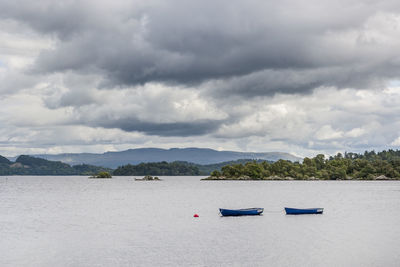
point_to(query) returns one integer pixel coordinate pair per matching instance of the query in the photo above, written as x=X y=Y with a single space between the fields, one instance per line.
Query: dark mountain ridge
x=143 y=155
x=28 y=165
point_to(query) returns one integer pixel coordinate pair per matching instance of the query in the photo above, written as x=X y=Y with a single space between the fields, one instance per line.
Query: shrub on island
x=102 y=175
x=148 y=178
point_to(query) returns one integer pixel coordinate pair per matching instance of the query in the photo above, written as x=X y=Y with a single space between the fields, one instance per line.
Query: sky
x=298 y=76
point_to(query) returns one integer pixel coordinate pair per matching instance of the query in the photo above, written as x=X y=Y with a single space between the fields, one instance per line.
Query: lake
x=76 y=221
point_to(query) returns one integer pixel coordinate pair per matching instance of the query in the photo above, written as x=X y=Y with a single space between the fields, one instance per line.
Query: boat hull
x=241 y=212
x=292 y=211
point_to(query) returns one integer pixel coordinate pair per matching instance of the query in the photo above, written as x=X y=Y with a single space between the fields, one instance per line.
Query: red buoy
x=196 y=215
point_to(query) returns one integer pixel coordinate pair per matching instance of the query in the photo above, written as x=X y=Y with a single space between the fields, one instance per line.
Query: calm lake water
x=76 y=221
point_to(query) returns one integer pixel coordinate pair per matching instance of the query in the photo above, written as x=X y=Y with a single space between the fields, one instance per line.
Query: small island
x=384 y=165
x=148 y=178
x=101 y=175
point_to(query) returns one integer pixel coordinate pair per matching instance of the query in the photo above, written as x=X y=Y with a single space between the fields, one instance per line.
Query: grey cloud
x=13 y=82
x=76 y=98
x=184 y=129
x=62 y=19
x=152 y=110
x=295 y=81
x=74 y=91
x=285 y=46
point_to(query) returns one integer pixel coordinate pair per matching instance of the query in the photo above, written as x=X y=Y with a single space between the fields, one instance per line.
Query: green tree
x=216 y=173
x=103 y=175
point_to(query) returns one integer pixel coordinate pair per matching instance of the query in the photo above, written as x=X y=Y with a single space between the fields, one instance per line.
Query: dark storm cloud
x=194 y=128
x=61 y=18
x=288 y=81
x=285 y=46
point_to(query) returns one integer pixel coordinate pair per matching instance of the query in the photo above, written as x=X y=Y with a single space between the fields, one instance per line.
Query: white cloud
x=356 y=132
x=326 y=133
x=396 y=142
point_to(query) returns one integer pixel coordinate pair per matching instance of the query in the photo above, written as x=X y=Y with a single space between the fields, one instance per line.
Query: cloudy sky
x=299 y=76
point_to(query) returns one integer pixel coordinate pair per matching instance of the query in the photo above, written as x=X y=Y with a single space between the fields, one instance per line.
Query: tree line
x=368 y=165
x=27 y=165
x=175 y=168
x=365 y=166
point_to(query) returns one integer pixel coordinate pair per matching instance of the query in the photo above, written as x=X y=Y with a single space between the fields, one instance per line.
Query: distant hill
x=28 y=165
x=143 y=155
x=4 y=160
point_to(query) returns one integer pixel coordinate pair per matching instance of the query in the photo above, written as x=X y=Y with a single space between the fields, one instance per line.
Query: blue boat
x=241 y=212
x=293 y=211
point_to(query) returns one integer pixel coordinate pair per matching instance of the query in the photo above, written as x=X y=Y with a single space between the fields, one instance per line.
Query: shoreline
x=277 y=178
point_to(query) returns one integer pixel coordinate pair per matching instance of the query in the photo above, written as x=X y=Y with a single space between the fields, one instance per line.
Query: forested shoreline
x=27 y=165
x=158 y=168
x=350 y=166
x=367 y=166
x=175 y=168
